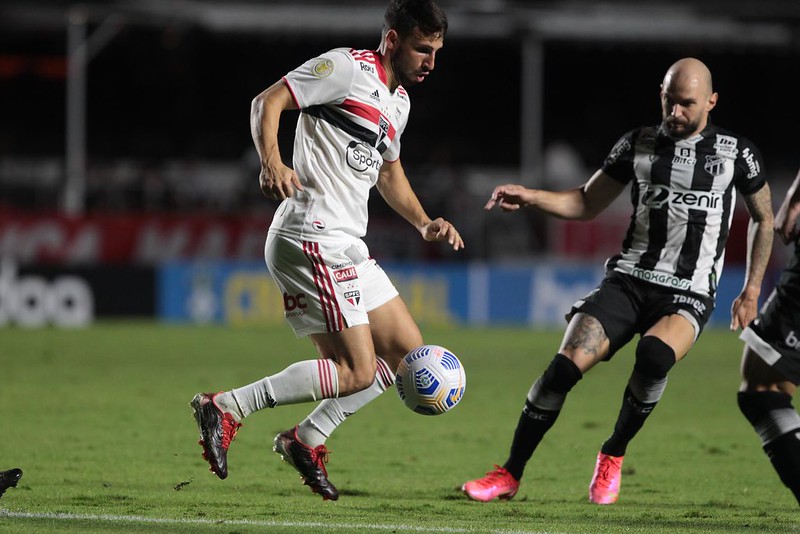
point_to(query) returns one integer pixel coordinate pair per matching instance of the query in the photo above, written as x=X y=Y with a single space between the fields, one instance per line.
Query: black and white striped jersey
x=683 y=203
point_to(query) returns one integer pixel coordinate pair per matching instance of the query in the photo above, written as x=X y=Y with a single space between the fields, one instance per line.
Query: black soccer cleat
x=9 y=479
x=310 y=463
x=217 y=430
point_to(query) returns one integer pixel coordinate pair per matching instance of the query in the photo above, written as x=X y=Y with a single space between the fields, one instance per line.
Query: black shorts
x=626 y=306
x=775 y=335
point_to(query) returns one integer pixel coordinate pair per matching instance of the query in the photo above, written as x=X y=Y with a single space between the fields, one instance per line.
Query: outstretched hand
x=441 y=230
x=509 y=197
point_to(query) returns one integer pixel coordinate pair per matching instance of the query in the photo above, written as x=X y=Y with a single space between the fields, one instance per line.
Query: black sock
x=550 y=390
x=784 y=453
x=631 y=417
x=532 y=426
x=761 y=408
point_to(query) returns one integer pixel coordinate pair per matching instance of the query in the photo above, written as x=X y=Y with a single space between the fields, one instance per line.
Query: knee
x=756 y=405
x=356 y=378
x=654 y=358
x=364 y=376
x=561 y=375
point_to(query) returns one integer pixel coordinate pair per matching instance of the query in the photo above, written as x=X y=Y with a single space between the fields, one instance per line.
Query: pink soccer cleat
x=604 y=488
x=497 y=483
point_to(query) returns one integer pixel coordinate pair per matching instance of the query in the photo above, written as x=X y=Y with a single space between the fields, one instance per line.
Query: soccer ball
x=431 y=380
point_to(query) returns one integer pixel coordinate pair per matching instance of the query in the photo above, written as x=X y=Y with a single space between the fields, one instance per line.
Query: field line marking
x=250 y=522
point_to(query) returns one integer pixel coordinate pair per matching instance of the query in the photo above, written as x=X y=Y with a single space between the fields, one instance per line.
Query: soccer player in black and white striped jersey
x=771 y=359
x=662 y=284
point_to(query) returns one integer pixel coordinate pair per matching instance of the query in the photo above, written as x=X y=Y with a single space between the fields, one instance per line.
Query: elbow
x=257 y=106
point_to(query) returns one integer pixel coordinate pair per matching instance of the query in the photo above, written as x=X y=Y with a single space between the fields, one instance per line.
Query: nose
x=429 y=62
x=677 y=111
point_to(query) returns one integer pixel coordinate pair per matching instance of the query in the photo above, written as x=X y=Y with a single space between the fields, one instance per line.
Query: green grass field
x=99 y=421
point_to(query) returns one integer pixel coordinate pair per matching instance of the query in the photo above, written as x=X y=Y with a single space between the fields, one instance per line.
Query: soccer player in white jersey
x=353 y=110
x=662 y=285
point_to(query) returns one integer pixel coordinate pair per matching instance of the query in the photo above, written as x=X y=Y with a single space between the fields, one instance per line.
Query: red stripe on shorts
x=324 y=284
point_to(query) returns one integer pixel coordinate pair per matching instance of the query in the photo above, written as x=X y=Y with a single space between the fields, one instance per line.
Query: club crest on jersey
x=383 y=124
x=361 y=157
x=353 y=297
x=323 y=68
x=715 y=165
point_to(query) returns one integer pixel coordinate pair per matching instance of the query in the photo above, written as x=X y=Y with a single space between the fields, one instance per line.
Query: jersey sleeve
x=619 y=162
x=322 y=80
x=749 y=175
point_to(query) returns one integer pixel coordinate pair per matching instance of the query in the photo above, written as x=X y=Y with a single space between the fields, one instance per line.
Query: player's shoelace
x=320 y=455
x=229 y=430
x=606 y=472
x=499 y=474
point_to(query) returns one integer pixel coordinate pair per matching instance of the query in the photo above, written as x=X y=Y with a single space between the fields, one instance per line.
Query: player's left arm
x=759 y=247
x=396 y=191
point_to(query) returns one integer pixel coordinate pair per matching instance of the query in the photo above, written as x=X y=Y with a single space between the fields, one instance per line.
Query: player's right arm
x=786 y=217
x=277 y=181
x=580 y=203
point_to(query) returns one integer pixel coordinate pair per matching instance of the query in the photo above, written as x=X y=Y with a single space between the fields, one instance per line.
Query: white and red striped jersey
x=349 y=124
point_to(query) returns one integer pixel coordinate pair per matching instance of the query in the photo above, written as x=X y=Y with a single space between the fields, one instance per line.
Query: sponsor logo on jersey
x=792 y=340
x=681 y=160
x=621 y=146
x=715 y=165
x=375 y=95
x=341 y=265
x=367 y=67
x=660 y=278
x=726 y=145
x=697 y=304
x=684 y=157
x=318 y=225
x=294 y=302
x=656 y=196
x=353 y=297
x=343 y=275
x=322 y=68
x=752 y=164
x=361 y=157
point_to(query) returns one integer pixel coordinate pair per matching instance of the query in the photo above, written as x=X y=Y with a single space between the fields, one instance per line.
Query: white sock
x=315 y=429
x=305 y=381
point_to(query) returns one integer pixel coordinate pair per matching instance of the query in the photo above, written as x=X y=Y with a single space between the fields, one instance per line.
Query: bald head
x=687 y=97
x=690 y=72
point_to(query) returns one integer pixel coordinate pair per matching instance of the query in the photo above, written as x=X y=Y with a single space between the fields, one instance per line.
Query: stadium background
x=139 y=196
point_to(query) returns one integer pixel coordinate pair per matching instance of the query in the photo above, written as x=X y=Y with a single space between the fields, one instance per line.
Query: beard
x=680 y=129
x=405 y=76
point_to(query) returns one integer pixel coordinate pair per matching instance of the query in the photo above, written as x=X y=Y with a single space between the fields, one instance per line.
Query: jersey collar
x=379 y=66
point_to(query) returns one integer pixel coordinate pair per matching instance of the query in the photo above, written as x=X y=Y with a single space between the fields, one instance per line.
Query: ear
x=392 y=39
x=712 y=101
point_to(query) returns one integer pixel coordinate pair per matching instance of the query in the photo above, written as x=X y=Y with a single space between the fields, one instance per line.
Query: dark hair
x=404 y=16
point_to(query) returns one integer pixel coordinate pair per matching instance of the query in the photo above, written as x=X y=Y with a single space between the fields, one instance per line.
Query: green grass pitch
x=99 y=421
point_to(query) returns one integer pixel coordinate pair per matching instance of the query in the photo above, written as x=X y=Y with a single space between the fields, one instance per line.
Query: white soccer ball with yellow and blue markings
x=431 y=380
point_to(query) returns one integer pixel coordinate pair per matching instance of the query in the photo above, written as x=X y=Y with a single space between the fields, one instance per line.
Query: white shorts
x=326 y=287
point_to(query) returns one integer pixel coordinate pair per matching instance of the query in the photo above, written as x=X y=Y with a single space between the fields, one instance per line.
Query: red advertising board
x=130 y=238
